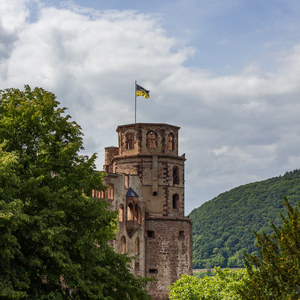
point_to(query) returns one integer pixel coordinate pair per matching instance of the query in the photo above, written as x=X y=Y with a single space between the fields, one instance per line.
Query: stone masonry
x=146 y=179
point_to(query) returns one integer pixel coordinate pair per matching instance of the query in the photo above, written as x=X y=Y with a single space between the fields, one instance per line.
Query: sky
x=226 y=72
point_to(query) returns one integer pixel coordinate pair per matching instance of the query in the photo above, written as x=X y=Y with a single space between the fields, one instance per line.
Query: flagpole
x=135 y=102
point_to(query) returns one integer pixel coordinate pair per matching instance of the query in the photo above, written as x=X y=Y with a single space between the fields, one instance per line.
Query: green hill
x=223 y=226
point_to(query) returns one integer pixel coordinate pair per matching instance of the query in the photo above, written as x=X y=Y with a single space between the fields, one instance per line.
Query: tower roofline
x=136 y=125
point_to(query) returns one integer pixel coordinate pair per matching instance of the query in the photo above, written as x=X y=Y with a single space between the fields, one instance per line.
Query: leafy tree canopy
x=275 y=273
x=53 y=236
x=223 y=286
x=223 y=227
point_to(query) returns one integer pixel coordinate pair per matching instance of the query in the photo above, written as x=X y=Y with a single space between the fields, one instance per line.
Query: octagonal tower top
x=148 y=138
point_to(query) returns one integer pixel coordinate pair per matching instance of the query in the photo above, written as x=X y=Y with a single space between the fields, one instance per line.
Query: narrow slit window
x=175 y=201
x=123 y=244
x=121 y=213
x=126 y=181
x=175 y=175
x=137 y=246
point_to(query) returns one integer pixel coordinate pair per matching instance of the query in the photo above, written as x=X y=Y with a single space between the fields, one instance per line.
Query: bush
x=224 y=285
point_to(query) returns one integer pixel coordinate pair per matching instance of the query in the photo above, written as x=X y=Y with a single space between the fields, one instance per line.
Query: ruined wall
x=168 y=252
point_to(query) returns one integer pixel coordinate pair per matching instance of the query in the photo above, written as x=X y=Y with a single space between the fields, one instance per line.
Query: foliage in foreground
x=53 y=236
x=275 y=274
x=223 y=227
x=224 y=285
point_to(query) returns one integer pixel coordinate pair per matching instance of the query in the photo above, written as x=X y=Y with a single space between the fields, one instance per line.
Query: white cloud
x=13 y=14
x=235 y=128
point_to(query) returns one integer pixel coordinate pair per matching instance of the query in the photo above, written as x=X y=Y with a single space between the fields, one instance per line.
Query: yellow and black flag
x=140 y=91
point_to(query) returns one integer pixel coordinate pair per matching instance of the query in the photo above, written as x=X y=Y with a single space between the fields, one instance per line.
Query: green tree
x=223 y=286
x=275 y=273
x=53 y=235
x=227 y=221
x=237 y=259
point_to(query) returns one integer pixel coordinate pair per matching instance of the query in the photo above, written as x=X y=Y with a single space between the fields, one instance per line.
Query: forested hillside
x=223 y=226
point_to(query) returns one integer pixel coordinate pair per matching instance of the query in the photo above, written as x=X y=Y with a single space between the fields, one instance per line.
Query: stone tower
x=146 y=175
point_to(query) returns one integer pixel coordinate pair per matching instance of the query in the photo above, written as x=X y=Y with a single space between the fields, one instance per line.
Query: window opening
x=130 y=212
x=123 y=244
x=111 y=193
x=181 y=235
x=126 y=181
x=151 y=140
x=97 y=194
x=137 y=246
x=121 y=213
x=150 y=233
x=153 y=271
x=129 y=141
x=175 y=201
x=175 y=175
x=171 y=145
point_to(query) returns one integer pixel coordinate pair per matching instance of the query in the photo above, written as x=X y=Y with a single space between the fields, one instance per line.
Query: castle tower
x=148 y=156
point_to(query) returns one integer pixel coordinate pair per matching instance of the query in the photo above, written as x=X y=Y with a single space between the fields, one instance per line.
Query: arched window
x=121 y=213
x=175 y=175
x=151 y=140
x=137 y=246
x=129 y=140
x=130 y=212
x=175 y=201
x=171 y=145
x=136 y=212
x=123 y=244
